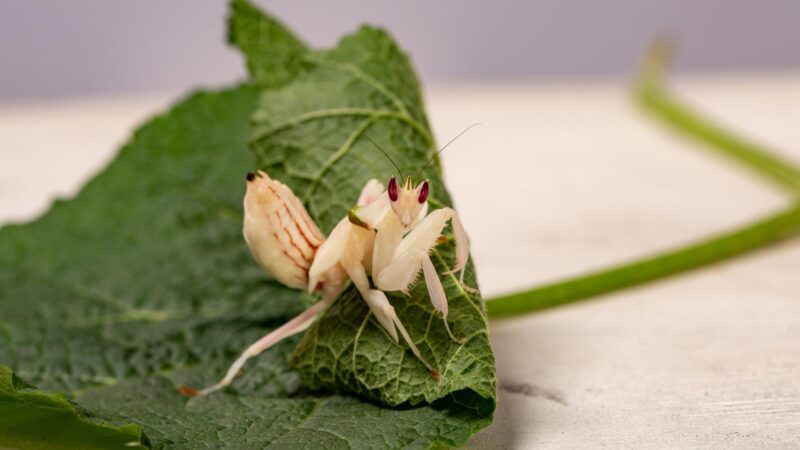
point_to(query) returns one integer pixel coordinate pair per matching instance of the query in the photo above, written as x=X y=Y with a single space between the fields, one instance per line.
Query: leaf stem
x=657 y=100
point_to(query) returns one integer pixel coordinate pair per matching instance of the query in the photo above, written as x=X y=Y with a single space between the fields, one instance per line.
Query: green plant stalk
x=657 y=100
x=664 y=107
x=740 y=241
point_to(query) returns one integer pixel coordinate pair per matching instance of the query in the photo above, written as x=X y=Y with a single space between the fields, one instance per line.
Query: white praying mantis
x=388 y=234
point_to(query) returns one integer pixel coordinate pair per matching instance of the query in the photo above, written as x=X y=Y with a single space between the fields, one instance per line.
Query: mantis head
x=407 y=201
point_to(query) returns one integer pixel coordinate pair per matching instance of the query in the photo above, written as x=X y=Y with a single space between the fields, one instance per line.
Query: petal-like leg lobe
x=371 y=191
x=329 y=253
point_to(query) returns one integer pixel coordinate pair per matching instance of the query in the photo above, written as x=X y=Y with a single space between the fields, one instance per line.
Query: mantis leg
x=425 y=234
x=294 y=326
x=412 y=255
x=379 y=304
x=402 y=272
x=387 y=316
x=370 y=192
x=333 y=250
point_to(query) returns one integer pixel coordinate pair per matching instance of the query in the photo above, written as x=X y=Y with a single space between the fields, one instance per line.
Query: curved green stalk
x=743 y=240
x=657 y=100
x=767 y=165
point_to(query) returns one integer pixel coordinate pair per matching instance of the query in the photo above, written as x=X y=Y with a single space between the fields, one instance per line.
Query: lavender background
x=93 y=47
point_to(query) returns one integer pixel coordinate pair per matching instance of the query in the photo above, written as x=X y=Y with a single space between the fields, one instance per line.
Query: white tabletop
x=562 y=178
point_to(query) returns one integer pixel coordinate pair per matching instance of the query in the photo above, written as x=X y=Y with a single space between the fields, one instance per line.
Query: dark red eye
x=393 y=189
x=423 y=192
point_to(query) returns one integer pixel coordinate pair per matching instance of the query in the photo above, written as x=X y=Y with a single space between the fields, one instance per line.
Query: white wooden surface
x=561 y=179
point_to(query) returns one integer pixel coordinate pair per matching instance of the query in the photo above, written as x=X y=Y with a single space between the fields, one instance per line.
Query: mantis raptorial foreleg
x=412 y=254
x=382 y=309
x=355 y=252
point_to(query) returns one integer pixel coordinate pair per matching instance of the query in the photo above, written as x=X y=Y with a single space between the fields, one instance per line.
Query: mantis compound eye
x=423 y=192
x=392 y=189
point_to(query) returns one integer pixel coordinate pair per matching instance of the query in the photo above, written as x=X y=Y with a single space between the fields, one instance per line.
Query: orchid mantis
x=388 y=234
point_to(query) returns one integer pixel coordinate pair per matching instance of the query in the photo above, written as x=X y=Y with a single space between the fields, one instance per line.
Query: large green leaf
x=143 y=282
x=311 y=133
x=32 y=419
x=274 y=54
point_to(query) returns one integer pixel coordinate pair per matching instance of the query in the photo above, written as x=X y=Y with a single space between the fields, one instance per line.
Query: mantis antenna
x=387 y=157
x=442 y=149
